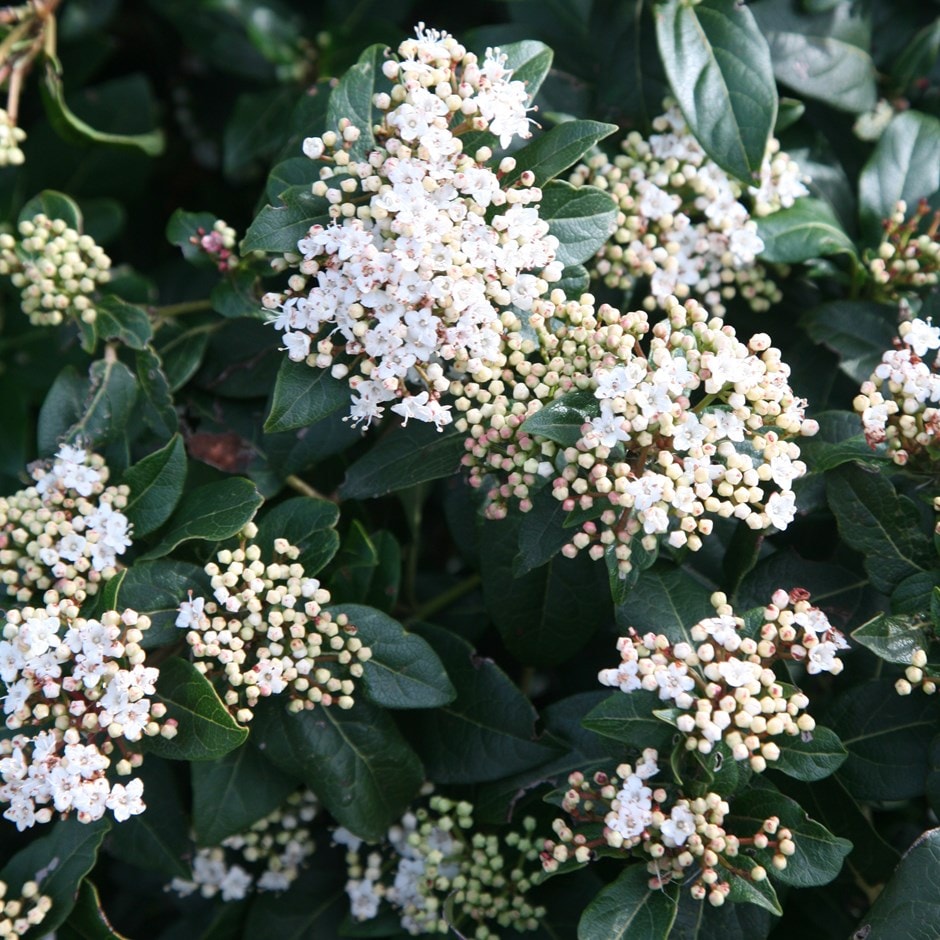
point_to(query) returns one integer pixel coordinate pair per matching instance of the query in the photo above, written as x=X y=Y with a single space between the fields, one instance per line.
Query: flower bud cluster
x=898 y=405
x=682 y=840
x=427 y=247
x=908 y=258
x=695 y=425
x=723 y=684
x=267 y=857
x=433 y=856
x=11 y=137
x=684 y=223
x=265 y=632
x=19 y=914
x=918 y=675
x=56 y=268
x=218 y=244
x=85 y=686
x=61 y=536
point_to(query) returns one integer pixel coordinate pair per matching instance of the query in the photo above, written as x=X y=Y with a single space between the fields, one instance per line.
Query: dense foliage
x=475 y=478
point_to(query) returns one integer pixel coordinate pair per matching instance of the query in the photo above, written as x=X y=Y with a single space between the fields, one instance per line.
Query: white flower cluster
x=268 y=857
x=62 y=535
x=426 y=248
x=218 y=244
x=85 y=685
x=724 y=680
x=265 y=632
x=56 y=268
x=432 y=856
x=683 y=222
x=19 y=914
x=685 y=843
x=908 y=258
x=695 y=426
x=11 y=137
x=900 y=404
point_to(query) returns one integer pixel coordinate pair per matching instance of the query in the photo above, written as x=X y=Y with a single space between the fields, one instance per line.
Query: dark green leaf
x=205 y=729
x=74 y=129
x=157 y=588
x=158 y=839
x=699 y=920
x=124 y=322
x=746 y=891
x=212 y=513
x=306 y=522
x=629 y=908
x=255 y=128
x=277 y=229
x=905 y=165
x=546 y=614
x=182 y=351
x=887 y=736
x=374 y=581
x=235 y=791
x=874 y=520
x=918 y=58
x=312 y=907
x=404 y=671
x=840 y=440
x=561 y=420
x=488 y=731
x=859 y=332
x=106 y=409
x=155 y=397
x=61 y=408
x=304 y=395
x=53 y=205
x=719 y=67
x=352 y=99
x=74 y=846
x=909 y=905
x=809 y=229
x=810 y=758
x=824 y=57
x=893 y=639
x=913 y=595
x=156 y=485
x=88 y=920
x=355 y=760
x=235 y=296
x=404 y=457
x=629 y=717
x=819 y=854
x=185 y=229
x=541 y=533
x=557 y=149
x=581 y=218
x=665 y=600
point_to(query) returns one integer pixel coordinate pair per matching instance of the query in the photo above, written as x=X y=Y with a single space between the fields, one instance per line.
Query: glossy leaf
x=127 y=323
x=212 y=512
x=811 y=756
x=306 y=522
x=74 y=846
x=581 y=218
x=73 y=128
x=278 y=228
x=156 y=485
x=887 y=737
x=909 y=905
x=158 y=839
x=355 y=760
x=205 y=728
x=107 y=408
x=488 y=731
x=157 y=588
x=88 y=919
x=893 y=639
x=825 y=57
x=404 y=457
x=53 y=205
x=874 y=520
x=154 y=394
x=809 y=229
x=404 y=671
x=859 y=332
x=629 y=717
x=352 y=99
x=61 y=407
x=304 y=395
x=235 y=791
x=665 y=600
x=905 y=165
x=719 y=68
x=557 y=149
x=629 y=908
x=561 y=419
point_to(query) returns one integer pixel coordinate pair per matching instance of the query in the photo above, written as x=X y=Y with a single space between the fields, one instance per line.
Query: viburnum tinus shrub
x=469 y=472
